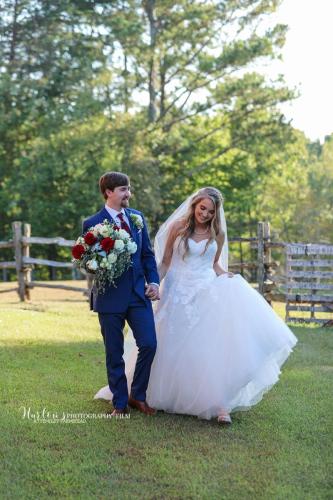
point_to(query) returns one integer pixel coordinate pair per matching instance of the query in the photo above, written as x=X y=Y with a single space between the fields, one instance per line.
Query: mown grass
x=52 y=357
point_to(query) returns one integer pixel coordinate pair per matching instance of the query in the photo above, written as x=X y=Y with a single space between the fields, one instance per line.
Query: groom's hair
x=111 y=180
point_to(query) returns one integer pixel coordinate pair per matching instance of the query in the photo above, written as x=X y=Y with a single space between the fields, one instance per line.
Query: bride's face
x=204 y=211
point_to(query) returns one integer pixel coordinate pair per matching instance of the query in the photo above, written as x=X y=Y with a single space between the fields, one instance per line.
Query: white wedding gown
x=220 y=346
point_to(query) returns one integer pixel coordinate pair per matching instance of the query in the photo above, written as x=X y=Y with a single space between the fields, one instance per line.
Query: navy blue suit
x=127 y=301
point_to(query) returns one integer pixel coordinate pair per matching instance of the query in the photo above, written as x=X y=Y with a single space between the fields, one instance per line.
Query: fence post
x=17 y=239
x=241 y=258
x=267 y=249
x=260 y=258
x=264 y=254
x=287 y=271
x=26 y=269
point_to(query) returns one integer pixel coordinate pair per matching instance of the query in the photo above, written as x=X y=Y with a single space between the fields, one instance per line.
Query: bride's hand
x=229 y=273
x=219 y=270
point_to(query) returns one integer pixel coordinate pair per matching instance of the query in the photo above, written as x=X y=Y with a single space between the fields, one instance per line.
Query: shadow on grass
x=279 y=448
x=49 y=372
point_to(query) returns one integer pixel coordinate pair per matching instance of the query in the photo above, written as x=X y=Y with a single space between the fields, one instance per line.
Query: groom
x=130 y=300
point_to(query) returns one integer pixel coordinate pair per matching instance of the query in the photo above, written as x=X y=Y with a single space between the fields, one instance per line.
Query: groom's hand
x=152 y=292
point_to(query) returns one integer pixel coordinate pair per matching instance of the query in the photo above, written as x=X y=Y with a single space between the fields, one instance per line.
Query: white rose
x=132 y=246
x=104 y=263
x=104 y=231
x=80 y=241
x=92 y=265
x=119 y=245
x=96 y=229
x=122 y=234
x=112 y=258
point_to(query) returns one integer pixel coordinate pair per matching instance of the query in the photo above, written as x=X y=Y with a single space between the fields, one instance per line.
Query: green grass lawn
x=52 y=357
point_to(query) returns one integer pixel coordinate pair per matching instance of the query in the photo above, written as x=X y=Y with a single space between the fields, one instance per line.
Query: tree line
x=166 y=91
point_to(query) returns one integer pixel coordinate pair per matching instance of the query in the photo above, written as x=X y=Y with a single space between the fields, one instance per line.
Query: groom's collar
x=112 y=212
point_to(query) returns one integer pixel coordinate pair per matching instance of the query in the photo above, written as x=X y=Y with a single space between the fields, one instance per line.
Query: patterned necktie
x=123 y=223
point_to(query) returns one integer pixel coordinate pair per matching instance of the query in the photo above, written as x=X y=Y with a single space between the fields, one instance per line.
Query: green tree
x=296 y=197
x=207 y=117
x=163 y=90
x=46 y=81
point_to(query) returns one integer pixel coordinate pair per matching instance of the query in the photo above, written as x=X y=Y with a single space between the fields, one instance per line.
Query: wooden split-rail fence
x=309 y=281
x=24 y=263
x=308 y=271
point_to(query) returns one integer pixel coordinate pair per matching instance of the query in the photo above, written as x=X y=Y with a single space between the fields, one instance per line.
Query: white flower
x=112 y=257
x=80 y=241
x=95 y=230
x=132 y=246
x=122 y=234
x=104 y=263
x=119 y=245
x=104 y=230
x=92 y=265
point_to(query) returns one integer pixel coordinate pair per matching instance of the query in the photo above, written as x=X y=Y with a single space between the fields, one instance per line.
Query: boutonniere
x=137 y=220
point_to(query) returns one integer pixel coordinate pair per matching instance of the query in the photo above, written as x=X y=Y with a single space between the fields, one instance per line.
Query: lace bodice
x=187 y=277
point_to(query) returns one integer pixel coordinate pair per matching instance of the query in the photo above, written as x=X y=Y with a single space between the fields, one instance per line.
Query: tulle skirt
x=219 y=350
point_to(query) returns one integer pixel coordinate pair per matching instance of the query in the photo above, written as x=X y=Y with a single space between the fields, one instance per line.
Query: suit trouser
x=140 y=318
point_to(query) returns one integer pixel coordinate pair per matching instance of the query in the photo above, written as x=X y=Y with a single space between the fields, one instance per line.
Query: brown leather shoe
x=141 y=406
x=119 y=412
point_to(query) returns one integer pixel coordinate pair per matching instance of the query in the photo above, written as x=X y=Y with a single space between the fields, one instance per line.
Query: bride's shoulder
x=173 y=233
x=176 y=226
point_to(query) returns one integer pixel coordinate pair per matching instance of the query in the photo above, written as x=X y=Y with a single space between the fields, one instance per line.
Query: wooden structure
x=309 y=281
x=23 y=263
x=307 y=284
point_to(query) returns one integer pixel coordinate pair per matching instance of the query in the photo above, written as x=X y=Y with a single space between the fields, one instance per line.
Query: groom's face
x=119 y=196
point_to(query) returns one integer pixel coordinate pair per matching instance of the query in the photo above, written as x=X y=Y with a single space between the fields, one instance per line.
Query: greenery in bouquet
x=106 y=251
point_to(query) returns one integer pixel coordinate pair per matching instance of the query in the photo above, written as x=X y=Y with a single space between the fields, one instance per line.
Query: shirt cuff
x=154 y=284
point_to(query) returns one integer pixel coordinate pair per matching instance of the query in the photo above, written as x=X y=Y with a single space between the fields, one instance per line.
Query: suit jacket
x=144 y=269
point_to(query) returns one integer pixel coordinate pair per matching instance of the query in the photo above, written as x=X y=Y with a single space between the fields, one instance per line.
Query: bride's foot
x=224 y=418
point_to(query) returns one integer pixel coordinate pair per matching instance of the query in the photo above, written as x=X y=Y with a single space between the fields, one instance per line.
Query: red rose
x=78 y=251
x=107 y=244
x=90 y=239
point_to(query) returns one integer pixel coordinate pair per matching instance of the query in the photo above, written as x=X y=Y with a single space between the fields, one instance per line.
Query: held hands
x=152 y=292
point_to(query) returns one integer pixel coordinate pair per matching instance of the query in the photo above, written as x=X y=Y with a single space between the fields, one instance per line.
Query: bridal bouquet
x=105 y=250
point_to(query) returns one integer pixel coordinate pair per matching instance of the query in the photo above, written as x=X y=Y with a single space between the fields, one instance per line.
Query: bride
x=220 y=346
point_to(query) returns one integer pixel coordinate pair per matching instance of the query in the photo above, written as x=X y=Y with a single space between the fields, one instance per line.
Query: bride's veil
x=162 y=234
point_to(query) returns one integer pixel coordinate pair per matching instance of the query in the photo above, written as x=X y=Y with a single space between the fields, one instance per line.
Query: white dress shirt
x=114 y=214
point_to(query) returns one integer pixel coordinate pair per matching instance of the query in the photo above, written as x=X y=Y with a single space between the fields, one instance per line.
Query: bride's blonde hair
x=187 y=230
